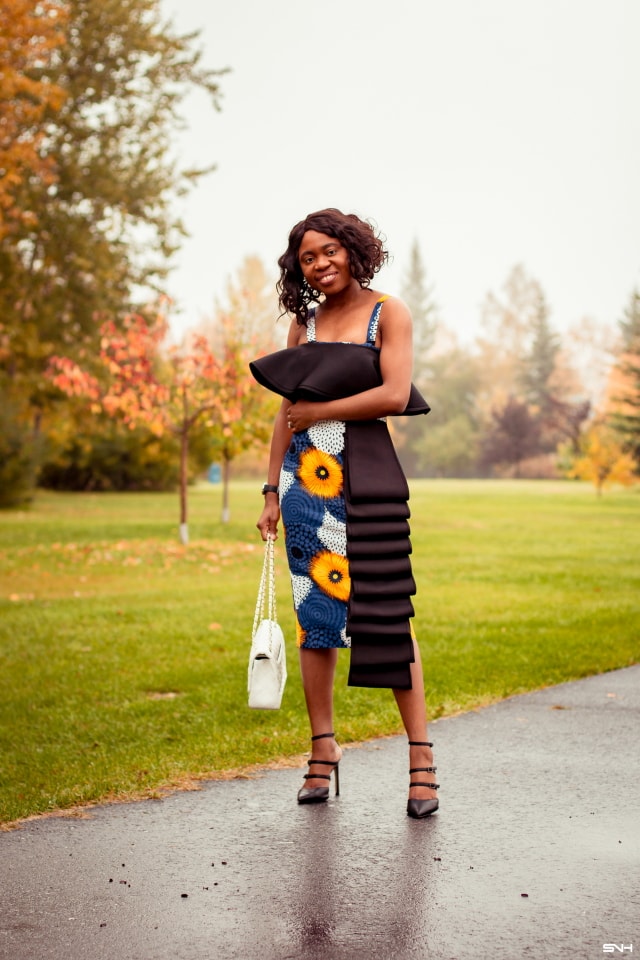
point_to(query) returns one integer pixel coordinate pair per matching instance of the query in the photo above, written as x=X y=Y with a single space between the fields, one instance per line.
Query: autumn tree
x=507 y=320
x=30 y=35
x=602 y=459
x=251 y=304
x=244 y=327
x=253 y=423
x=166 y=389
x=98 y=234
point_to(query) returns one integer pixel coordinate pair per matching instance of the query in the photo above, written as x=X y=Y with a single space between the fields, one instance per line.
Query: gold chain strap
x=267 y=586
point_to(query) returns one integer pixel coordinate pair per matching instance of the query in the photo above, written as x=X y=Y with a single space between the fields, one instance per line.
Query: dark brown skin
x=342 y=316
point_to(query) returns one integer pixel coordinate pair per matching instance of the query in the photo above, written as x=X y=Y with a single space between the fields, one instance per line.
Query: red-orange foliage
x=29 y=35
x=164 y=389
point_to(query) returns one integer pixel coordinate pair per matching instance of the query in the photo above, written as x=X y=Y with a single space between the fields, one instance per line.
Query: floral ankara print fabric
x=314 y=519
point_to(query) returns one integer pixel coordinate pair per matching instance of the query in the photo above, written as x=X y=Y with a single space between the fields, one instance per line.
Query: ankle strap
x=321 y=736
x=416 y=743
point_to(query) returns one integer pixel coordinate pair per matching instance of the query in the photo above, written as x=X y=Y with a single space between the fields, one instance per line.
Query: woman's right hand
x=280 y=440
x=268 y=522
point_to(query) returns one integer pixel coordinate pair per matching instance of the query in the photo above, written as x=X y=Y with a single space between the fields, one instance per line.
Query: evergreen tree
x=536 y=376
x=539 y=361
x=626 y=414
x=419 y=298
x=630 y=325
x=417 y=294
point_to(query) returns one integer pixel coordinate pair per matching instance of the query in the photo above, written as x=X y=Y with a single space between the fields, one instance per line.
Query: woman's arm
x=396 y=362
x=280 y=440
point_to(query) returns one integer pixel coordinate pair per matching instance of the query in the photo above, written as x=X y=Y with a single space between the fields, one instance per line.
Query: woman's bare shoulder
x=394 y=309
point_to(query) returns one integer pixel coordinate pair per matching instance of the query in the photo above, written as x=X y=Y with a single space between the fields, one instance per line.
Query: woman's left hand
x=301 y=415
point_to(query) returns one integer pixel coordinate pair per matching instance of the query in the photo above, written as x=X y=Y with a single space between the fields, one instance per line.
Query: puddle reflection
x=379 y=898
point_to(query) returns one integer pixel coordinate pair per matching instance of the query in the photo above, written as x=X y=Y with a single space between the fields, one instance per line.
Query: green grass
x=123 y=655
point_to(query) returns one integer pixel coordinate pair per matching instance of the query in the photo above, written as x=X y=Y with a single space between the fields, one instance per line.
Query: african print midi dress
x=314 y=519
x=345 y=512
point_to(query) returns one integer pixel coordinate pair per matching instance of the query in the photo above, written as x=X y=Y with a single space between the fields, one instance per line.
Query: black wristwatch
x=270 y=488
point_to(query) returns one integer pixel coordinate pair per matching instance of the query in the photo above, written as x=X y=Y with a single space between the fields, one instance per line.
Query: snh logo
x=617 y=948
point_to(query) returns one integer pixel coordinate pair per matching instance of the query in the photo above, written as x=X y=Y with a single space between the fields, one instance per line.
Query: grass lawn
x=123 y=654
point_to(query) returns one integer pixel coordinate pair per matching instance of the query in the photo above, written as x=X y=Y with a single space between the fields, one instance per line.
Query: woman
x=334 y=475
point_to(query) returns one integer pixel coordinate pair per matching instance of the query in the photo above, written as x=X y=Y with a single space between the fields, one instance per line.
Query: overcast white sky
x=493 y=131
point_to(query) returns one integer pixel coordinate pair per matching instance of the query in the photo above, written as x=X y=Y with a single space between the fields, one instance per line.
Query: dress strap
x=311 y=325
x=372 y=330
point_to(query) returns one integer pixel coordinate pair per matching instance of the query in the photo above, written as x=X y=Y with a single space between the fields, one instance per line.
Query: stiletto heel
x=422 y=808
x=320 y=794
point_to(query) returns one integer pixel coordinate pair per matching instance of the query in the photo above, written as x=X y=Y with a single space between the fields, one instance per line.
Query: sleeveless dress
x=315 y=524
x=344 y=508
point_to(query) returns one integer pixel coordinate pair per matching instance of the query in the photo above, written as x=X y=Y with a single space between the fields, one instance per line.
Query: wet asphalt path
x=535 y=853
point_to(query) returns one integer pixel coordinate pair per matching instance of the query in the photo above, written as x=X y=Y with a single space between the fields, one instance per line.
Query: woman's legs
x=318 y=669
x=413 y=711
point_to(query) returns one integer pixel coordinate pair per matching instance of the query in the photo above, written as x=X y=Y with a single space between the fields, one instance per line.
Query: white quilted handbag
x=267 y=659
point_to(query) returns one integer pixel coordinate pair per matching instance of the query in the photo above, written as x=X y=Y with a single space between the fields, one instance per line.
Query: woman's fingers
x=268 y=529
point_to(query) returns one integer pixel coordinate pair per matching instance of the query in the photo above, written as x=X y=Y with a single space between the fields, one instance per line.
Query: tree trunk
x=184 y=451
x=226 y=472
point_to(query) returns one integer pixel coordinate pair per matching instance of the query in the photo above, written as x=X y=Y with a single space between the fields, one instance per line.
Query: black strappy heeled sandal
x=319 y=794
x=422 y=808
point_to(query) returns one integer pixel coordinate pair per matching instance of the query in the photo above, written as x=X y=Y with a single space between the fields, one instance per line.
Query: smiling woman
x=341 y=241
x=334 y=475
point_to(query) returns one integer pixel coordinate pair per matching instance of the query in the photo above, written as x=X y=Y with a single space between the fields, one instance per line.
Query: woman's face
x=324 y=262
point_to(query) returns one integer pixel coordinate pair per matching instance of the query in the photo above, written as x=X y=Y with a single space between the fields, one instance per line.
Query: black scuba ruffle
x=326 y=371
x=378 y=548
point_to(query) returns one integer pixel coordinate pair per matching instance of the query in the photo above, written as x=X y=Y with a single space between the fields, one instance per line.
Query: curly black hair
x=364 y=247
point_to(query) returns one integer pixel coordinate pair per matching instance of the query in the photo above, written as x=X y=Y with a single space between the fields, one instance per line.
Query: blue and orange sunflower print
x=314 y=520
